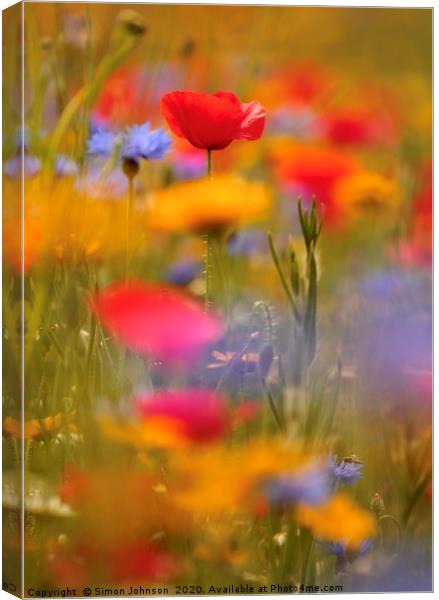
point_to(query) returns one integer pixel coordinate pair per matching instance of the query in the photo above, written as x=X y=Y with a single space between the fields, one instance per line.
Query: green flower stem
x=208 y=250
x=394 y=521
x=208 y=254
x=209 y=163
x=282 y=279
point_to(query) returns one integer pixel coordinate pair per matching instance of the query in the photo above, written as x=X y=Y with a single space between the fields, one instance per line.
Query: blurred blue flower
x=23 y=162
x=65 y=167
x=346 y=472
x=247 y=242
x=183 y=271
x=343 y=555
x=142 y=142
x=386 y=284
x=312 y=487
x=137 y=142
x=102 y=142
x=339 y=548
x=31 y=166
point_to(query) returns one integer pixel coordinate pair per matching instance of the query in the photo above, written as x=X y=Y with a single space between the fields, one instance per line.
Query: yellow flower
x=366 y=193
x=338 y=520
x=209 y=205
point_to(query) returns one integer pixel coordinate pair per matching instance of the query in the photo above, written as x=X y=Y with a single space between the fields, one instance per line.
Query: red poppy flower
x=201 y=414
x=357 y=128
x=314 y=171
x=212 y=121
x=418 y=249
x=122 y=100
x=306 y=82
x=138 y=562
x=152 y=319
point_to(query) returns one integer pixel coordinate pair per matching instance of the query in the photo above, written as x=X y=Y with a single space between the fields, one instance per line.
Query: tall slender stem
x=209 y=163
x=207 y=240
x=208 y=253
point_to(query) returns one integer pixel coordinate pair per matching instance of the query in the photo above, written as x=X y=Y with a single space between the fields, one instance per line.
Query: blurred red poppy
x=212 y=121
x=139 y=562
x=357 y=128
x=306 y=82
x=122 y=100
x=418 y=249
x=158 y=320
x=201 y=414
x=314 y=171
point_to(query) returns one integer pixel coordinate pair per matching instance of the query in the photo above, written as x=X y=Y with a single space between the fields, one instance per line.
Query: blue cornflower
x=311 y=486
x=31 y=166
x=184 y=271
x=383 y=285
x=137 y=142
x=346 y=472
x=246 y=243
x=65 y=167
x=102 y=143
x=142 y=142
x=343 y=555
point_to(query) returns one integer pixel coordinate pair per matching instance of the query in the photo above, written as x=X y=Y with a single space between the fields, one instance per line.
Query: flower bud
x=130 y=167
x=131 y=22
x=377 y=504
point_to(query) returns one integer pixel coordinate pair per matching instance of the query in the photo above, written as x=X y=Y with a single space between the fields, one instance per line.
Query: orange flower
x=12 y=242
x=338 y=520
x=367 y=194
x=36 y=429
x=209 y=204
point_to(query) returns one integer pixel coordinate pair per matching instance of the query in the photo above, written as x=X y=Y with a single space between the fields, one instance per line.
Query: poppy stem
x=209 y=163
x=207 y=238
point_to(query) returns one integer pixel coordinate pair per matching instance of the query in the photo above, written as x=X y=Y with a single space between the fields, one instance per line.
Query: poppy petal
x=157 y=320
x=253 y=123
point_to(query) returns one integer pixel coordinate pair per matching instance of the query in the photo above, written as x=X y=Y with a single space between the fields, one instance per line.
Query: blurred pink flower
x=153 y=319
x=201 y=414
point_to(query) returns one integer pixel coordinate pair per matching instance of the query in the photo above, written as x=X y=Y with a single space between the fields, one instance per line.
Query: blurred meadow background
x=227 y=312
